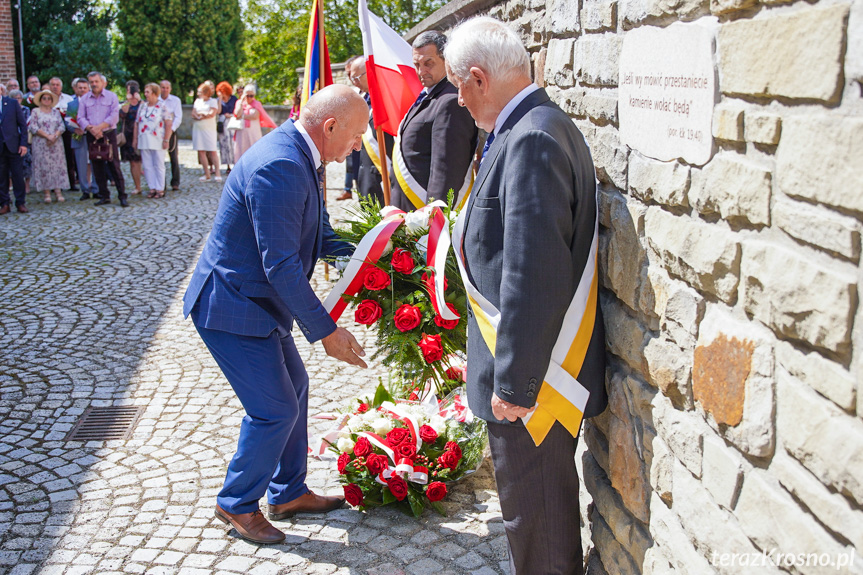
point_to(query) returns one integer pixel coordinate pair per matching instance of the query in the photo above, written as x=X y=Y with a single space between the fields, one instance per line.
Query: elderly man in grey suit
x=527 y=248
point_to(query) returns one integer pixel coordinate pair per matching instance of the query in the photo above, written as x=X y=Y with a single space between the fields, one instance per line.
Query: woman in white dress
x=204 y=134
x=152 y=133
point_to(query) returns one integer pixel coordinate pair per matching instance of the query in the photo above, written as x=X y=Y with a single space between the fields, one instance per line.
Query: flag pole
x=382 y=146
x=321 y=68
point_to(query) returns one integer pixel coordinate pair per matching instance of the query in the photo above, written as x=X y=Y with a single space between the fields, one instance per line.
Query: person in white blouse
x=153 y=130
x=175 y=107
x=204 y=133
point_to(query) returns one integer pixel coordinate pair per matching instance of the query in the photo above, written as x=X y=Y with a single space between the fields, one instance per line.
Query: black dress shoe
x=102 y=202
x=124 y=202
x=84 y=197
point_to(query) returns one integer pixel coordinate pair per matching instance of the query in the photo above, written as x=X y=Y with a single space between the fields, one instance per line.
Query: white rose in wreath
x=417 y=222
x=382 y=426
x=422 y=243
x=345 y=445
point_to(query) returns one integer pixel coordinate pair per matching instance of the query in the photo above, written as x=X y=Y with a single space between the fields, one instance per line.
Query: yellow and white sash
x=373 y=149
x=412 y=188
x=561 y=398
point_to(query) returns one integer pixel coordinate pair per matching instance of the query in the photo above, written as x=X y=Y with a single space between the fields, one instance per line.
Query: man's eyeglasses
x=356 y=78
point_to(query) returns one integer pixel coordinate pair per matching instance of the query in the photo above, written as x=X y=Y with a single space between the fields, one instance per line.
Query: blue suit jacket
x=13 y=125
x=269 y=231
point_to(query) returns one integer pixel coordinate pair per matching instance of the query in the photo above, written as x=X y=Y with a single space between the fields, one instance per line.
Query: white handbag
x=234 y=124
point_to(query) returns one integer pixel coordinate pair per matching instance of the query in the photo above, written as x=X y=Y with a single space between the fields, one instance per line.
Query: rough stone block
x=818 y=227
x=564 y=17
x=733 y=187
x=600 y=105
x=854 y=54
x=669 y=534
x=830 y=508
x=628 y=471
x=558 y=63
x=788 y=292
x=596 y=59
x=819 y=435
x=732 y=379
x=773 y=520
x=683 y=432
x=728 y=6
x=623 y=262
x=762 y=128
x=670 y=369
x=824 y=376
x=661 y=479
x=728 y=122
x=722 y=472
x=665 y=183
x=756 y=57
x=609 y=154
x=598 y=15
x=635 y=12
x=624 y=334
x=615 y=559
x=818 y=159
x=682 y=314
x=705 y=256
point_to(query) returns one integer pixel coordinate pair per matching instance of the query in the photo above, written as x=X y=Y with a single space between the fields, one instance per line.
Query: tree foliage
x=276 y=44
x=184 y=41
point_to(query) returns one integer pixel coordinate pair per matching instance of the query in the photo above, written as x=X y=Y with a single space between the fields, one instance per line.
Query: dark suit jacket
x=529 y=227
x=13 y=126
x=369 y=180
x=438 y=139
x=269 y=230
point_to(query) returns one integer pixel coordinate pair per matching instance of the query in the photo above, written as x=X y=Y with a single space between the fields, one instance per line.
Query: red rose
x=427 y=434
x=344 y=459
x=402 y=261
x=450 y=446
x=362 y=447
x=456 y=373
x=376 y=463
x=353 y=494
x=364 y=407
x=426 y=276
x=431 y=348
x=397 y=436
x=413 y=396
x=436 y=491
x=376 y=279
x=449 y=459
x=368 y=312
x=447 y=323
x=406 y=449
x=398 y=487
x=407 y=317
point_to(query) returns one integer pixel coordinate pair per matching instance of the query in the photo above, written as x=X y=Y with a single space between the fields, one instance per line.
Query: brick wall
x=7 y=42
x=730 y=289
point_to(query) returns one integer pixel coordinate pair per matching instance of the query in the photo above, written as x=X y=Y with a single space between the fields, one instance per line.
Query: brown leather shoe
x=251 y=526
x=346 y=195
x=23 y=209
x=5 y=210
x=308 y=503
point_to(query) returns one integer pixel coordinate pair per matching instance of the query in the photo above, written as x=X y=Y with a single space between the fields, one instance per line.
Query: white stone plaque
x=668 y=89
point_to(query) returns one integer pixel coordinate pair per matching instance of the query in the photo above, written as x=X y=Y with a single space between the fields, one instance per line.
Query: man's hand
x=79 y=132
x=22 y=151
x=341 y=344
x=506 y=410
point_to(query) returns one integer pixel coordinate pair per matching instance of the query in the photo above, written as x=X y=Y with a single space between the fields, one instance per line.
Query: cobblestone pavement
x=91 y=316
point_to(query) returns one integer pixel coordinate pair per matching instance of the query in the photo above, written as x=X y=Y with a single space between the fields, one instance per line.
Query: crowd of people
x=51 y=141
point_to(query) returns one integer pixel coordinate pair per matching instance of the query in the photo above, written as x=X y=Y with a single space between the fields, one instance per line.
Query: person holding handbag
x=126 y=132
x=152 y=135
x=98 y=113
x=226 y=142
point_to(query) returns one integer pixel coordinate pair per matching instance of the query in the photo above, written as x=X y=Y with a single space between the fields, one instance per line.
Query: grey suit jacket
x=438 y=139
x=529 y=227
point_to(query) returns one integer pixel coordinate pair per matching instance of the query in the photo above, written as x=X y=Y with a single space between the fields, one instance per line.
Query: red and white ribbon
x=438 y=246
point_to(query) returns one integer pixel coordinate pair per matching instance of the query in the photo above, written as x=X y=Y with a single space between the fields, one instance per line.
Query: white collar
x=316 y=155
x=512 y=105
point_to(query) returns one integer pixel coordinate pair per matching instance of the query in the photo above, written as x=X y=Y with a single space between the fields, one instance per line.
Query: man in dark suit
x=251 y=285
x=369 y=180
x=528 y=245
x=13 y=148
x=436 y=139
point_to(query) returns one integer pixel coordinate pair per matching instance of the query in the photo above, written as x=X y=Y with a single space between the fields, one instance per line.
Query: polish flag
x=393 y=81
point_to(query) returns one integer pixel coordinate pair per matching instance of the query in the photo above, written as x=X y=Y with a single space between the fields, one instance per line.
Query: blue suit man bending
x=251 y=285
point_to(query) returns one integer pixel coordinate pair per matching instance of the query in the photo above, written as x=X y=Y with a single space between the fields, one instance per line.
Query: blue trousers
x=271 y=382
x=87 y=182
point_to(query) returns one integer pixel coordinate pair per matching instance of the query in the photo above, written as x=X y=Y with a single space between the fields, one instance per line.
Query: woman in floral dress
x=49 y=158
x=152 y=133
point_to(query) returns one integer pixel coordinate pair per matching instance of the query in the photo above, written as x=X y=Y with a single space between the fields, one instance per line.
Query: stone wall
x=730 y=288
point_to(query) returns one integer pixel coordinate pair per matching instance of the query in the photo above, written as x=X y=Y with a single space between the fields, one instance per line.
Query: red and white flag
x=393 y=81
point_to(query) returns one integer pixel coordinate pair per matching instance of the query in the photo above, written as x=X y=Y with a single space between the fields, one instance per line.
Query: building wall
x=7 y=42
x=729 y=288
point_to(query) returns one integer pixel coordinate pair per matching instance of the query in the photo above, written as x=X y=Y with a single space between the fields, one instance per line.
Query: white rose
x=388 y=248
x=422 y=243
x=437 y=423
x=355 y=422
x=386 y=211
x=341 y=263
x=345 y=445
x=382 y=426
x=417 y=222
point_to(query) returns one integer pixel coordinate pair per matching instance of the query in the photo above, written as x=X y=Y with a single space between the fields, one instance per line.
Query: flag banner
x=312 y=77
x=393 y=81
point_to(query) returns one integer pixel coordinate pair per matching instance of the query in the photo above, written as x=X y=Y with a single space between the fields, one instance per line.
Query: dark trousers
x=173 y=153
x=271 y=382
x=70 y=157
x=11 y=165
x=101 y=168
x=352 y=170
x=538 y=489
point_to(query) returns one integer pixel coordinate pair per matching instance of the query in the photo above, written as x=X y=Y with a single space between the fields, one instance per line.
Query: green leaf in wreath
x=416 y=502
x=381 y=395
x=388 y=497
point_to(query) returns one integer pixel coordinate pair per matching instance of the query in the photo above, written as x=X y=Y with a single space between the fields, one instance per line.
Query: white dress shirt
x=511 y=106
x=316 y=155
x=175 y=107
x=63 y=102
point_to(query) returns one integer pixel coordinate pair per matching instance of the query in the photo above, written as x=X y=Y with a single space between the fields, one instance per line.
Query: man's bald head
x=335 y=118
